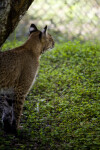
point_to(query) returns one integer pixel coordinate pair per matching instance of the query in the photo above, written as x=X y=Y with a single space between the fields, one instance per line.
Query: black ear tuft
x=44 y=30
x=43 y=33
x=32 y=28
x=45 y=27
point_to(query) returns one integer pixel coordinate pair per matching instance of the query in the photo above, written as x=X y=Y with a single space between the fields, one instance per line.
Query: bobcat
x=18 y=69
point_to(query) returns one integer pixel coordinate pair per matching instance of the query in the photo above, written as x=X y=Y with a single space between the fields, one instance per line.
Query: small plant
x=62 y=110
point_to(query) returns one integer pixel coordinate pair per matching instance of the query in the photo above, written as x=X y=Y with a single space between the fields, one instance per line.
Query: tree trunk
x=11 y=12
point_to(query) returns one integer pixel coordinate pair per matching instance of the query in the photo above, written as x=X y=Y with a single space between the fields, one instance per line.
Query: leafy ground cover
x=62 y=111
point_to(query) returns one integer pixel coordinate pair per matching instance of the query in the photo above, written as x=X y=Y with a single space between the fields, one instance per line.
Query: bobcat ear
x=44 y=31
x=32 y=28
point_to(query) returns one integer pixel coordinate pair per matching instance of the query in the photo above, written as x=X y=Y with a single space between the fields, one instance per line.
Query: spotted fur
x=18 y=69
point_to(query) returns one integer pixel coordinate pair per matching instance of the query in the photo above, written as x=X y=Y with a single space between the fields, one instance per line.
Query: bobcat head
x=43 y=37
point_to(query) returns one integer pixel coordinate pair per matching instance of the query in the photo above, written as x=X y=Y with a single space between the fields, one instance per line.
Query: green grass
x=62 y=111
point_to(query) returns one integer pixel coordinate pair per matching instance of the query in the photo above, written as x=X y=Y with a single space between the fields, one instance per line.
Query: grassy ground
x=62 y=111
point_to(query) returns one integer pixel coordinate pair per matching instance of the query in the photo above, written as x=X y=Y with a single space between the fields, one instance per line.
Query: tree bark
x=11 y=12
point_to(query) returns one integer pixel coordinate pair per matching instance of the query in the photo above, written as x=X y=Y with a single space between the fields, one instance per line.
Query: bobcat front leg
x=17 y=110
x=20 y=92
